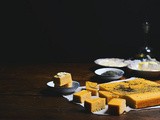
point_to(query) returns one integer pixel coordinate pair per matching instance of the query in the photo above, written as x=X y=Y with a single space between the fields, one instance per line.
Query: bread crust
x=142 y=100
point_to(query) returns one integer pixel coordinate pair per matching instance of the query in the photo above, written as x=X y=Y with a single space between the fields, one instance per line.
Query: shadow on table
x=95 y=68
x=97 y=79
x=49 y=92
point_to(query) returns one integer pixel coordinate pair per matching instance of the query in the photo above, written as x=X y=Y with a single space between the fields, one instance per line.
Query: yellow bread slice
x=68 y=85
x=94 y=104
x=91 y=84
x=142 y=100
x=63 y=78
x=81 y=96
x=107 y=95
x=94 y=92
x=93 y=87
x=137 y=85
x=116 y=106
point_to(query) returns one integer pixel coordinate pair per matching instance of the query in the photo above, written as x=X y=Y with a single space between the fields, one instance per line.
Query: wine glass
x=145 y=52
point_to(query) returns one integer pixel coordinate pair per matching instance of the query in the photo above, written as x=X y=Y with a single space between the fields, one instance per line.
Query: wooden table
x=24 y=94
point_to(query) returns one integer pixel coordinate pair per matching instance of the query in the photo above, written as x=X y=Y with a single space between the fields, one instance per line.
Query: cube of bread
x=116 y=106
x=81 y=96
x=107 y=95
x=91 y=84
x=93 y=91
x=92 y=87
x=141 y=100
x=63 y=78
x=94 y=104
x=68 y=85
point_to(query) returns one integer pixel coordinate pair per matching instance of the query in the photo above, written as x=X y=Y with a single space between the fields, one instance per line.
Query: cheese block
x=137 y=85
x=92 y=87
x=94 y=104
x=63 y=78
x=81 y=96
x=142 y=100
x=107 y=95
x=116 y=106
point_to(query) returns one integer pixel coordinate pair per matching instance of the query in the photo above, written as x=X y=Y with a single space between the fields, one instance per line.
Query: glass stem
x=146 y=33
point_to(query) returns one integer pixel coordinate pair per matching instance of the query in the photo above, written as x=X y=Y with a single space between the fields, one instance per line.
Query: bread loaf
x=141 y=100
x=138 y=85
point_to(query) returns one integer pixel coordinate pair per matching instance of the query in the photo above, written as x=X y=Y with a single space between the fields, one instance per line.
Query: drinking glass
x=145 y=52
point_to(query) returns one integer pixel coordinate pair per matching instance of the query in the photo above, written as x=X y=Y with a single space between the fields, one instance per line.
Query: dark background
x=76 y=30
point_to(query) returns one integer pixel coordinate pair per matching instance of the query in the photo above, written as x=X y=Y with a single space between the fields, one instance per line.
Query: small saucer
x=63 y=90
x=109 y=73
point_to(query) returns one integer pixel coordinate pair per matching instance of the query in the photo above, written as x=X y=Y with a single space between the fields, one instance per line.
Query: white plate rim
x=63 y=90
x=97 y=61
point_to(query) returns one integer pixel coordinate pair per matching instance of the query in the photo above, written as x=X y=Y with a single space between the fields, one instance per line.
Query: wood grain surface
x=24 y=94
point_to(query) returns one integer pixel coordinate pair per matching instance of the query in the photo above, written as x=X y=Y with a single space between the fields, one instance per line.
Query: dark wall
x=76 y=30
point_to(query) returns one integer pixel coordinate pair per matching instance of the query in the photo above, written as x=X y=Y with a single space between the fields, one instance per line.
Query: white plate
x=63 y=90
x=118 y=73
x=112 y=62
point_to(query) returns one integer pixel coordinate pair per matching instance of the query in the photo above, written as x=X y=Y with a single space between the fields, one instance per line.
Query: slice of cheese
x=142 y=100
x=63 y=78
x=81 y=96
x=107 y=95
x=116 y=106
x=94 y=104
x=92 y=87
